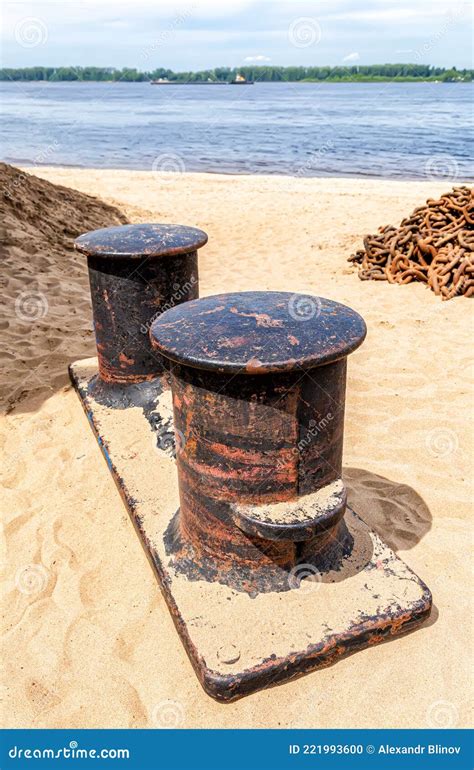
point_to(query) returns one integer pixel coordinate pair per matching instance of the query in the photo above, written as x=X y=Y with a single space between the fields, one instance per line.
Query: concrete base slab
x=239 y=643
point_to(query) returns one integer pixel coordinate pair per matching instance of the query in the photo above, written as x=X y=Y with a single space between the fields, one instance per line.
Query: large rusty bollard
x=258 y=383
x=136 y=272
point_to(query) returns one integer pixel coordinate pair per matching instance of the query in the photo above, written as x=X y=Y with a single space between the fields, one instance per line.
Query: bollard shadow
x=395 y=511
x=401 y=518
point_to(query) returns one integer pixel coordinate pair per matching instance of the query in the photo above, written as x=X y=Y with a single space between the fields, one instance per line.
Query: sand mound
x=435 y=244
x=45 y=284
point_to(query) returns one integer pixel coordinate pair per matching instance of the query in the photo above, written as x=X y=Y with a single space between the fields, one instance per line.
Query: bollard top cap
x=258 y=332
x=142 y=240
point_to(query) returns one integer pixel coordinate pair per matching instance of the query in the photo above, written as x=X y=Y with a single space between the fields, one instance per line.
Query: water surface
x=410 y=130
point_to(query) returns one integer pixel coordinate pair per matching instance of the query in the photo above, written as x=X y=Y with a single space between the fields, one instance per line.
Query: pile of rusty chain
x=434 y=245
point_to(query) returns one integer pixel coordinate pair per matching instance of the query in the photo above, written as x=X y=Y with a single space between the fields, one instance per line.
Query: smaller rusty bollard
x=136 y=272
x=258 y=382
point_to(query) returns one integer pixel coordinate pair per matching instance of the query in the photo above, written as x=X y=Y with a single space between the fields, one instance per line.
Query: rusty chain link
x=435 y=244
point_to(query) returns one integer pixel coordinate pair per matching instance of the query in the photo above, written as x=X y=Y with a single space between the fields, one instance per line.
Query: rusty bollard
x=136 y=272
x=258 y=383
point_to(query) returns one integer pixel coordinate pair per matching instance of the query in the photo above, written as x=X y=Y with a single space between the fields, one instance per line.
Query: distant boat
x=166 y=82
x=240 y=80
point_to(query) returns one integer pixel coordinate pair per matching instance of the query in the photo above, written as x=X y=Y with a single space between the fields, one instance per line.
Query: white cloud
x=207 y=33
x=259 y=58
x=352 y=57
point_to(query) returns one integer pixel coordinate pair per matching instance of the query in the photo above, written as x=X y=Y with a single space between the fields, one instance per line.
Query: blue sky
x=198 y=34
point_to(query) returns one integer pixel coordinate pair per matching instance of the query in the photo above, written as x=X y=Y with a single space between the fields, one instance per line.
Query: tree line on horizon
x=265 y=73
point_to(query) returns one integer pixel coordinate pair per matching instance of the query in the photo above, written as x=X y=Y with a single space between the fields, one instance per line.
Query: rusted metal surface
x=136 y=272
x=434 y=245
x=258 y=332
x=382 y=597
x=258 y=398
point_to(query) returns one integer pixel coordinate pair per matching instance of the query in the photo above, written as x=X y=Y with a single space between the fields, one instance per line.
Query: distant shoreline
x=357 y=73
x=306 y=81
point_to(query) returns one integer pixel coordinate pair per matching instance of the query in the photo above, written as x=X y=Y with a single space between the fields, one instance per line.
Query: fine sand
x=87 y=638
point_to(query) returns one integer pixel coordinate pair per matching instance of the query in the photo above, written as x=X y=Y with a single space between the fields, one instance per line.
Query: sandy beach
x=88 y=640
